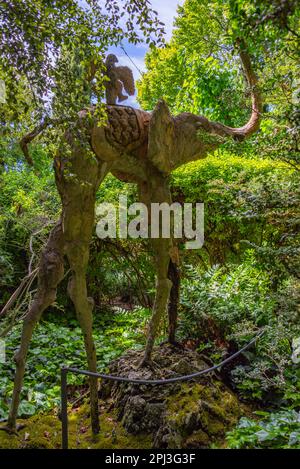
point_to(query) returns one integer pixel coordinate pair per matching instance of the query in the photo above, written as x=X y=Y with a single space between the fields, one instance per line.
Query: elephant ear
x=161 y=138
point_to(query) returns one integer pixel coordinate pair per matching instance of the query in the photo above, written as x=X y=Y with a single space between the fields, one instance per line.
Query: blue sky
x=167 y=11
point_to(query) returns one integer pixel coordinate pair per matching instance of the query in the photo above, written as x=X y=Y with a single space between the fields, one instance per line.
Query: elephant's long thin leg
x=157 y=191
x=174 y=276
x=78 y=195
x=163 y=288
x=84 y=306
x=51 y=271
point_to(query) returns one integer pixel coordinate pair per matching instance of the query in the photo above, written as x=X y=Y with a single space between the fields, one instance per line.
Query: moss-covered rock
x=182 y=415
x=192 y=414
x=198 y=414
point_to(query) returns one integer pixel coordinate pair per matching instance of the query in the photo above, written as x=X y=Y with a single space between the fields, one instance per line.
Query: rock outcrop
x=192 y=414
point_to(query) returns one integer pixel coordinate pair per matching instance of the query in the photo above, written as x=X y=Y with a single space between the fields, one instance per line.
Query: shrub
x=226 y=306
x=58 y=341
x=276 y=430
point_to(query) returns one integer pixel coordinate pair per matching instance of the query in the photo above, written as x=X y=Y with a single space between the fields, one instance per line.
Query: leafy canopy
x=47 y=47
x=199 y=70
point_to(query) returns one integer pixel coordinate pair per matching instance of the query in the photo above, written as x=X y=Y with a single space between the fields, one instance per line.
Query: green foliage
x=273 y=203
x=228 y=294
x=190 y=73
x=246 y=277
x=29 y=204
x=37 y=36
x=60 y=342
x=270 y=374
x=199 y=71
x=121 y=270
x=247 y=202
x=227 y=305
x=276 y=430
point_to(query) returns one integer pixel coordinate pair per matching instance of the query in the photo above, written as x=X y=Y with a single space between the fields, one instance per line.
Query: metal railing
x=156 y=382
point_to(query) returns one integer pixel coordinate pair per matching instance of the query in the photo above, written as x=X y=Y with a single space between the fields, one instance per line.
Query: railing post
x=64 y=407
